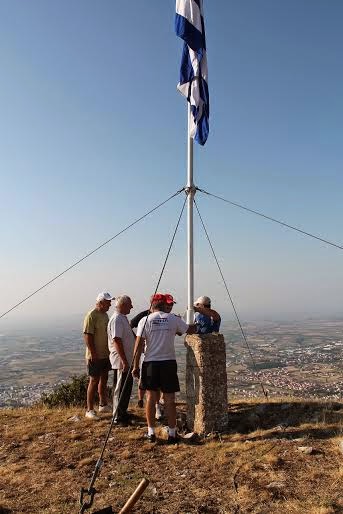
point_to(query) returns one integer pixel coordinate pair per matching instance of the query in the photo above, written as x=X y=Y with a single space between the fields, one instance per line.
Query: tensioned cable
x=91 y=491
x=275 y=221
x=231 y=300
x=272 y=219
x=90 y=253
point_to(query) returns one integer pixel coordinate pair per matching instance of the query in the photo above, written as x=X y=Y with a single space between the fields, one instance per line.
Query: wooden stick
x=135 y=496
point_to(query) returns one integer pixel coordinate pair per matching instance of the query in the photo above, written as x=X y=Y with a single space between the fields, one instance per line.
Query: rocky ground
x=279 y=456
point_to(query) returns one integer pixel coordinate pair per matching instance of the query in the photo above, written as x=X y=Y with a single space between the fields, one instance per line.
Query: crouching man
x=121 y=341
x=159 y=368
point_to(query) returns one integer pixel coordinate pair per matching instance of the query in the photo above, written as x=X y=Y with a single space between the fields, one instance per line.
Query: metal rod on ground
x=190 y=192
x=135 y=496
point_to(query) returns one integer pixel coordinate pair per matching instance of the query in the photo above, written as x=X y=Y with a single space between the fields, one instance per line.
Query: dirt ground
x=280 y=456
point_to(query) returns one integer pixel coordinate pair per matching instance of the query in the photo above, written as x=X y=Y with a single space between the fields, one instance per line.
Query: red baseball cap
x=158 y=297
x=169 y=299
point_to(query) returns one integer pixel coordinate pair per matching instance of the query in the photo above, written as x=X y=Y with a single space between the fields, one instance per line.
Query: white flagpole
x=190 y=199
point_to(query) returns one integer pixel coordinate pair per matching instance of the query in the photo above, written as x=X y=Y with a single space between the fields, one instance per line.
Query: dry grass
x=255 y=468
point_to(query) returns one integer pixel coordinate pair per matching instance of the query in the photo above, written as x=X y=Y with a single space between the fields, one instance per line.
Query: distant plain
x=308 y=351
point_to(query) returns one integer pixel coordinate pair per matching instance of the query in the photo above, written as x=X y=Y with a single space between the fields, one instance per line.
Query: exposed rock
x=305 y=449
x=276 y=485
x=212 y=435
x=49 y=435
x=75 y=418
x=190 y=436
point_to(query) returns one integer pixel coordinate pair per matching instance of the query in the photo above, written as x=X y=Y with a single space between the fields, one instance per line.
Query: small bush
x=73 y=393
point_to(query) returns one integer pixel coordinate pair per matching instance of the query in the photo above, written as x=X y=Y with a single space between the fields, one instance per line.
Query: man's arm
x=207 y=312
x=89 y=340
x=137 y=352
x=118 y=344
x=134 y=322
x=192 y=329
x=182 y=327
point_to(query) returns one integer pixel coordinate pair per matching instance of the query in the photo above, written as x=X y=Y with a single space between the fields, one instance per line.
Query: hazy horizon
x=73 y=322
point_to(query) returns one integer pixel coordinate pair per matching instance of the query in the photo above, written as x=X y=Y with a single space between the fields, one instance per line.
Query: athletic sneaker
x=158 y=414
x=91 y=414
x=105 y=408
x=140 y=404
x=150 y=438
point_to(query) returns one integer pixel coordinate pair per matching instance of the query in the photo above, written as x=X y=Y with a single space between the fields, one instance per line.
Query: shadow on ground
x=286 y=419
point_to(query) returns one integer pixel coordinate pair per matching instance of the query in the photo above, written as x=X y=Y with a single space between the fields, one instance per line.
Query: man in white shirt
x=159 y=368
x=121 y=342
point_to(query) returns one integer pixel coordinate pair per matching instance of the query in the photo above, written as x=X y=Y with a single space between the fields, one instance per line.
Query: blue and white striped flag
x=189 y=25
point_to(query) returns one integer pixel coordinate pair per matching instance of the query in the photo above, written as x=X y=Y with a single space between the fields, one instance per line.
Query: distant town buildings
x=303 y=359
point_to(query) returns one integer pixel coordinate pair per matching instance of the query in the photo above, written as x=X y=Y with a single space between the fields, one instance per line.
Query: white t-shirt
x=119 y=326
x=159 y=334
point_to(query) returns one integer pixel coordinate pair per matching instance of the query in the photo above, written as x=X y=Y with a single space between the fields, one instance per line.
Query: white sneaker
x=158 y=413
x=91 y=414
x=105 y=408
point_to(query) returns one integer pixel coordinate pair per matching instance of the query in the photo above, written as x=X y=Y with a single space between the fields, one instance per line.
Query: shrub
x=73 y=393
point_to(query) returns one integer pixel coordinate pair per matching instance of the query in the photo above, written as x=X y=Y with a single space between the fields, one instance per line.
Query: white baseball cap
x=203 y=300
x=104 y=296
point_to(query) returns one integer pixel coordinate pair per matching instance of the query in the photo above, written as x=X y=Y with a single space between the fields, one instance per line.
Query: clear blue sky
x=93 y=132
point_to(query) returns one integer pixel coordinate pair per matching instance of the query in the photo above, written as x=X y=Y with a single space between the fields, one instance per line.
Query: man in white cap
x=121 y=341
x=207 y=319
x=97 y=354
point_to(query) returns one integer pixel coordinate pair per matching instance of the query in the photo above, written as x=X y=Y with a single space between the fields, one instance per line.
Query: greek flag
x=189 y=25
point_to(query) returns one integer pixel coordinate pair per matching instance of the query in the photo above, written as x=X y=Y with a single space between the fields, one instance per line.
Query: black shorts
x=97 y=368
x=160 y=375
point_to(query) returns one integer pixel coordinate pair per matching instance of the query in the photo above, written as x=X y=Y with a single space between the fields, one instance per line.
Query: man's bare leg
x=150 y=410
x=102 y=388
x=170 y=406
x=158 y=412
x=91 y=390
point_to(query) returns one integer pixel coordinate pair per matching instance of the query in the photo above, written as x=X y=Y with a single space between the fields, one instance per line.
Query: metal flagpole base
x=190 y=316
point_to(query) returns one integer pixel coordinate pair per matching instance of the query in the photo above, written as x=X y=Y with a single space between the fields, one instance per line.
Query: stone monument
x=206 y=383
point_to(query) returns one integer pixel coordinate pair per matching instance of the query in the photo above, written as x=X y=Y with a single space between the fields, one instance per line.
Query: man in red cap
x=134 y=324
x=169 y=302
x=160 y=401
x=159 y=368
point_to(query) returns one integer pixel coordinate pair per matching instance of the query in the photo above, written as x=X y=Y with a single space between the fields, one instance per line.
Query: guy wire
x=231 y=300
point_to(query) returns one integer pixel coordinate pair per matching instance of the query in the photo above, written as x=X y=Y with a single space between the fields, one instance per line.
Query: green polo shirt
x=95 y=323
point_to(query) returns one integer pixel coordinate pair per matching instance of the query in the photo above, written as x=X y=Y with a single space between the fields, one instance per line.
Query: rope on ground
x=90 y=491
x=340 y=247
x=90 y=253
x=231 y=300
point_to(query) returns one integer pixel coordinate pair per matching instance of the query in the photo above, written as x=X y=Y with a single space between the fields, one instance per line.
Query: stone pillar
x=206 y=383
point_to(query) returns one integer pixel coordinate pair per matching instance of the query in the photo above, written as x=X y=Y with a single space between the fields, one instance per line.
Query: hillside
x=280 y=456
